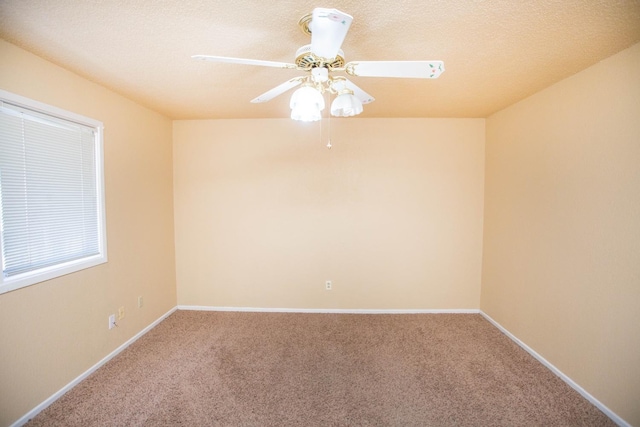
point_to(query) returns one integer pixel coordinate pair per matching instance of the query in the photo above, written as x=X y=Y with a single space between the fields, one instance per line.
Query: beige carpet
x=283 y=369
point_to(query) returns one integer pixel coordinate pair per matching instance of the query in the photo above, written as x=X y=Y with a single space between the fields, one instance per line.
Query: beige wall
x=392 y=214
x=561 y=267
x=53 y=331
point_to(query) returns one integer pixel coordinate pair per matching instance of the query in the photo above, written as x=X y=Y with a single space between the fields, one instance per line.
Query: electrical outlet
x=112 y=321
x=121 y=313
x=327 y=285
x=140 y=301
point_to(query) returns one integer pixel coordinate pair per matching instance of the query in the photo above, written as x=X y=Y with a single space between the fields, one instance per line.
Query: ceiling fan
x=321 y=59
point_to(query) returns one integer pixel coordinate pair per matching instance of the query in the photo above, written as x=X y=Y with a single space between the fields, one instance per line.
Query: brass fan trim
x=308 y=60
x=304 y=23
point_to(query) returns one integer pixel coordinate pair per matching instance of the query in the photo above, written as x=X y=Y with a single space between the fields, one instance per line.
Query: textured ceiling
x=496 y=52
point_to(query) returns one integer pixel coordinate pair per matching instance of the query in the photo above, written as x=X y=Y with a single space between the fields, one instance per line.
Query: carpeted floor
x=284 y=369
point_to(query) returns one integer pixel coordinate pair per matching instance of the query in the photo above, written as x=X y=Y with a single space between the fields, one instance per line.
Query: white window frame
x=32 y=277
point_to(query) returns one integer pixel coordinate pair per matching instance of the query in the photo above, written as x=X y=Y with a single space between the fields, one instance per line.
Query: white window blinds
x=50 y=206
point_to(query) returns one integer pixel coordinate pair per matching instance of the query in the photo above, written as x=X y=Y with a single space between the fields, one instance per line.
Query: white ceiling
x=496 y=52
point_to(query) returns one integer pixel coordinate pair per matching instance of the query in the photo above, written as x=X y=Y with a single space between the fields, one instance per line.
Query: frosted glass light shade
x=306 y=104
x=306 y=114
x=346 y=105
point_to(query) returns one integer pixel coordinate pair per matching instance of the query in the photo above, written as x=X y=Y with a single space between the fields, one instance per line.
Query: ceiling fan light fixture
x=346 y=104
x=306 y=104
x=306 y=114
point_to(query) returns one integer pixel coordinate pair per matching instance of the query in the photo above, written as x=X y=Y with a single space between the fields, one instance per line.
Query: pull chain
x=329 y=130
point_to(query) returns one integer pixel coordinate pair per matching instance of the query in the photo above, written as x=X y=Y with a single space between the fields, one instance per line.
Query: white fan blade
x=278 y=90
x=328 y=30
x=363 y=96
x=244 y=61
x=412 y=69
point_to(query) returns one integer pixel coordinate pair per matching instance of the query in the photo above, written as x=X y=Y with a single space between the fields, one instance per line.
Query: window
x=52 y=219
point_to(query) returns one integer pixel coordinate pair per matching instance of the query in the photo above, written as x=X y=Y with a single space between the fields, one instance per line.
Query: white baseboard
x=35 y=411
x=608 y=412
x=329 y=310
